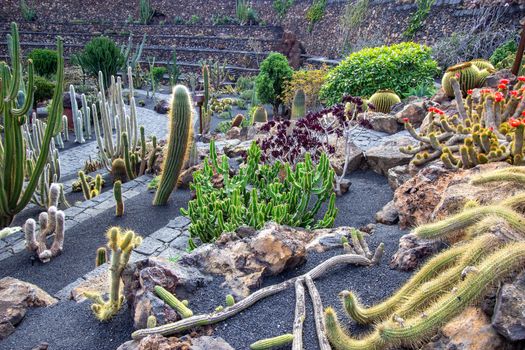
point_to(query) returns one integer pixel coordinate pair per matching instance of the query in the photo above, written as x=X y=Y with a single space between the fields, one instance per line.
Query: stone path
x=78 y=213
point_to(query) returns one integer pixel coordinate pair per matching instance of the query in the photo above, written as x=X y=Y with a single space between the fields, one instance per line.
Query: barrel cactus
x=180 y=116
x=483 y=74
x=383 y=100
x=482 y=64
x=467 y=75
x=299 y=104
x=237 y=121
x=260 y=115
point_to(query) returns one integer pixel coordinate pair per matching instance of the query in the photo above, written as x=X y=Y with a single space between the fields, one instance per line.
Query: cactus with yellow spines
x=173 y=301
x=230 y=301
x=121 y=243
x=482 y=64
x=119 y=171
x=485 y=129
x=271 y=343
x=483 y=74
x=102 y=256
x=14 y=195
x=117 y=193
x=383 y=100
x=418 y=328
x=467 y=74
x=151 y=321
x=181 y=120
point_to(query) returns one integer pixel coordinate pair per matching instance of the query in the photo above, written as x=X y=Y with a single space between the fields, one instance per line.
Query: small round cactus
x=118 y=170
x=383 y=100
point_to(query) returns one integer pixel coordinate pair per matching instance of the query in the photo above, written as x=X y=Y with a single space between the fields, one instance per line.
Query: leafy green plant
x=282 y=7
x=44 y=89
x=398 y=67
x=101 y=54
x=146 y=12
x=417 y=18
x=315 y=13
x=223 y=126
x=503 y=51
x=244 y=83
x=28 y=12
x=220 y=20
x=422 y=90
x=257 y=194
x=274 y=73
x=244 y=12
x=194 y=19
x=158 y=73
x=44 y=61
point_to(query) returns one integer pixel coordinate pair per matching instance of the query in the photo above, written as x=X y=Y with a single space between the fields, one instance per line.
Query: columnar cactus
x=50 y=222
x=121 y=244
x=467 y=75
x=119 y=170
x=15 y=196
x=237 y=121
x=102 y=256
x=272 y=343
x=299 y=104
x=260 y=115
x=117 y=192
x=78 y=116
x=181 y=120
x=172 y=301
x=383 y=100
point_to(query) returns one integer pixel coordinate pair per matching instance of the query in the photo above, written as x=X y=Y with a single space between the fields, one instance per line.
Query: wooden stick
x=318 y=314
x=207 y=319
x=300 y=315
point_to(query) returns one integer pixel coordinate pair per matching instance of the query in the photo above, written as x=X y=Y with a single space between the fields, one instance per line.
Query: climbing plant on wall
x=416 y=20
x=282 y=7
x=315 y=13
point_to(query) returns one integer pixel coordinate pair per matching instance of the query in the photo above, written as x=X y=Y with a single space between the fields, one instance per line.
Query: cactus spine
x=15 y=196
x=181 y=119
x=482 y=64
x=260 y=115
x=121 y=244
x=271 y=343
x=299 y=104
x=383 y=100
x=172 y=301
x=467 y=75
x=102 y=256
x=117 y=192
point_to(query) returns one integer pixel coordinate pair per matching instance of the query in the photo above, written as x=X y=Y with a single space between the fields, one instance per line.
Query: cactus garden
x=262 y=175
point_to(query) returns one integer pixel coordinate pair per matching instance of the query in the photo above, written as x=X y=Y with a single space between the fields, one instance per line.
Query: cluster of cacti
x=259 y=193
x=299 y=104
x=117 y=192
x=383 y=100
x=121 y=243
x=173 y=301
x=470 y=75
x=260 y=115
x=49 y=222
x=90 y=187
x=15 y=196
x=180 y=131
x=125 y=50
x=485 y=129
x=81 y=117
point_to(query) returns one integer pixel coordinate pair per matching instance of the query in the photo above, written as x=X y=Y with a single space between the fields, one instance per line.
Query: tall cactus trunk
x=181 y=120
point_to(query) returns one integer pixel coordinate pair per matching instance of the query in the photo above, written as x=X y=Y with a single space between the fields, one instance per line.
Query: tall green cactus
x=299 y=104
x=13 y=195
x=181 y=120
x=117 y=192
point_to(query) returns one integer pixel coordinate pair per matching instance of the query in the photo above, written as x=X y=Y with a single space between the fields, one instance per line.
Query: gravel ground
x=81 y=242
x=270 y=317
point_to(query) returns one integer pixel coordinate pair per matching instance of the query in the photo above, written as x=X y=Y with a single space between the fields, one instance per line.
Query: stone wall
x=384 y=22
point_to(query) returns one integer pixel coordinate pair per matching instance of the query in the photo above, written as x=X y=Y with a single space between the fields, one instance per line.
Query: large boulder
x=471 y=330
x=15 y=298
x=415 y=112
x=140 y=279
x=398 y=175
x=493 y=79
x=412 y=251
x=382 y=122
x=509 y=313
x=162 y=107
x=158 y=342
x=387 y=155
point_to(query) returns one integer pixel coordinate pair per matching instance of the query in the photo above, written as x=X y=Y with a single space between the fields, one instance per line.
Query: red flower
x=486 y=91
x=504 y=81
x=432 y=109
x=405 y=120
x=498 y=96
x=514 y=93
x=502 y=86
x=491 y=128
x=469 y=92
x=523 y=113
x=514 y=123
x=521 y=78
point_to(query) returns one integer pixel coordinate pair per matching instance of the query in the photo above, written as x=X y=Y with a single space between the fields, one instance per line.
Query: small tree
x=101 y=54
x=271 y=81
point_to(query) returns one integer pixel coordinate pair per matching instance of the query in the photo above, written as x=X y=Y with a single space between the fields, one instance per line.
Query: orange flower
x=514 y=122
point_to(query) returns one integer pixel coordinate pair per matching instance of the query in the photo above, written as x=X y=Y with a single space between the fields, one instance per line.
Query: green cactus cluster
x=257 y=194
x=485 y=129
x=179 y=142
x=383 y=100
x=121 y=243
x=91 y=187
x=299 y=104
x=14 y=195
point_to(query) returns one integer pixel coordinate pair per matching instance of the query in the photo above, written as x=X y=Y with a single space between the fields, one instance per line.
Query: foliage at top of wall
x=417 y=18
x=355 y=13
x=398 y=67
x=315 y=13
x=503 y=51
x=282 y=7
x=146 y=11
x=28 y=12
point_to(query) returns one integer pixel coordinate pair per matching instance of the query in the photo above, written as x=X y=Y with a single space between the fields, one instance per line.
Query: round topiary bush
x=398 y=67
x=44 y=61
x=274 y=73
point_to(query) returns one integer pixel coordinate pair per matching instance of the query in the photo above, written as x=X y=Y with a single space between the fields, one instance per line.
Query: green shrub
x=258 y=194
x=273 y=75
x=44 y=89
x=244 y=83
x=398 y=67
x=282 y=7
x=158 y=73
x=224 y=126
x=315 y=13
x=101 y=54
x=28 y=12
x=422 y=90
x=503 y=51
x=44 y=61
